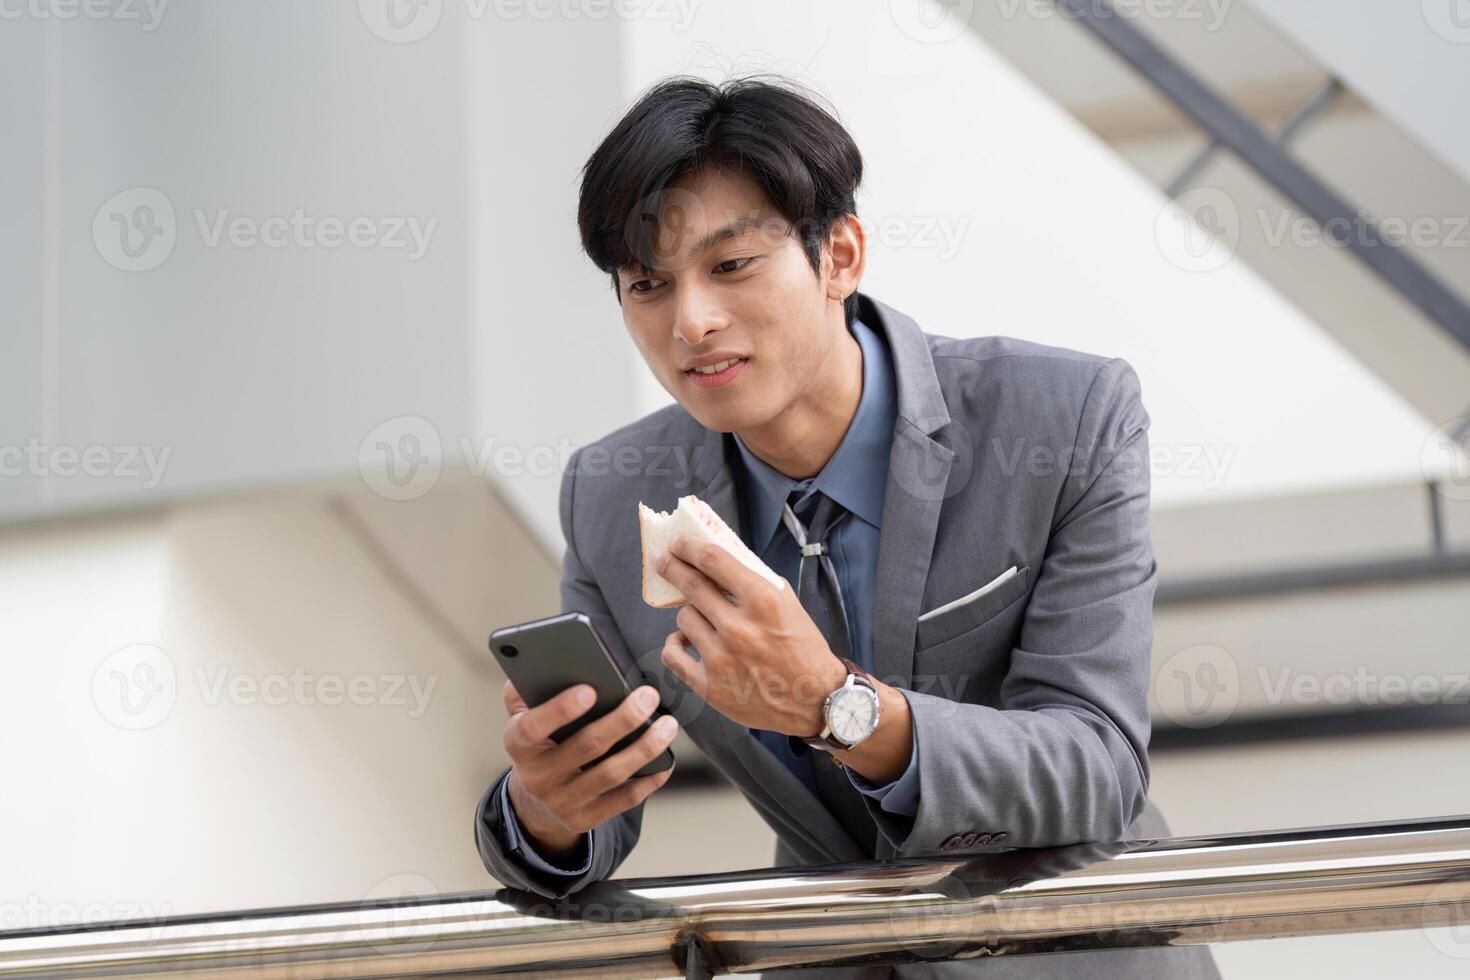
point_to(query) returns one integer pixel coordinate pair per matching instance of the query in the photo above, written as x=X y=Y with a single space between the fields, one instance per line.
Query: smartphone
x=544 y=657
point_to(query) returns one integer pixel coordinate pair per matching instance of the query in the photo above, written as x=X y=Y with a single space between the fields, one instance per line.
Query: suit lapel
x=918 y=468
x=918 y=474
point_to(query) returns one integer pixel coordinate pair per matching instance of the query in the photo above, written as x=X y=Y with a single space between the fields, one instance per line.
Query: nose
x=697 y=314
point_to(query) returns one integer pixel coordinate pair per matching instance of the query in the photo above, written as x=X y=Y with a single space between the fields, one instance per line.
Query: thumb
x=514 y=703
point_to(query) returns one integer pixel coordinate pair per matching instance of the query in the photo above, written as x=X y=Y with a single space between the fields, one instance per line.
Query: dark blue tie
x=817 y=585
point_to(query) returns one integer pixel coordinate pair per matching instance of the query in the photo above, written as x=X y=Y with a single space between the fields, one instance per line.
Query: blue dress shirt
x=855 y=477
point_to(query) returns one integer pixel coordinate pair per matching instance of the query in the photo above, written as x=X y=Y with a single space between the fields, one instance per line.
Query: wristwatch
x=849 y=714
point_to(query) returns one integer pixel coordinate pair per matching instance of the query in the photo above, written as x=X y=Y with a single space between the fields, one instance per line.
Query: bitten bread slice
x=692 y=518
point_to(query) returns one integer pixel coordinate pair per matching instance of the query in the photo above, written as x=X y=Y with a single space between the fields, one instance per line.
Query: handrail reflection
x=946 y=905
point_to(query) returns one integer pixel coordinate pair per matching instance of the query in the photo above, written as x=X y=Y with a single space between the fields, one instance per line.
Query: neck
x=799 y=441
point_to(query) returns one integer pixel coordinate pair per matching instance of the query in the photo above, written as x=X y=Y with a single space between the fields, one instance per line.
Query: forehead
x=706 y=208
x=721 y=189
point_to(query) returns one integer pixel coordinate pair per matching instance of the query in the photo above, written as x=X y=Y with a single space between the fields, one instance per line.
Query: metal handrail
x=949 y=905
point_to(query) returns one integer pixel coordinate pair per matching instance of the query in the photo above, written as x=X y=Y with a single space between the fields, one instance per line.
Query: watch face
x=853 y=715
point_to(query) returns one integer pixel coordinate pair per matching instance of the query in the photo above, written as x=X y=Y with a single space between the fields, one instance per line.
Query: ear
x=847 y=254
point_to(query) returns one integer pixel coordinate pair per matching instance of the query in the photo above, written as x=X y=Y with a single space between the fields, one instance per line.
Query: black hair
x=773 y=131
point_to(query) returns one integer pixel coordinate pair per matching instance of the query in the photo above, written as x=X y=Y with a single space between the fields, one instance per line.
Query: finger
x=627 y=796
x=700 y=632
x=615 y=770
x=697 y=587
x=629 y=792
x=723 y=570
x=675 y=656
x=597 y=737
x=533 y=728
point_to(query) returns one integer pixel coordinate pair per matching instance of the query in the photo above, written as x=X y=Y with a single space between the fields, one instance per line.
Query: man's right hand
x=555 y=802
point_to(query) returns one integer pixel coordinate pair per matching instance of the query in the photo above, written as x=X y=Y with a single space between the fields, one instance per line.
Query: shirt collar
x=857 y=474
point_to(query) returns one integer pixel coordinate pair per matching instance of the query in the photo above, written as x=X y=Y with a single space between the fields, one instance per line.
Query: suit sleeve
x=901 y=796
x=515 y=840
x=609 y=842
x=1064 y=757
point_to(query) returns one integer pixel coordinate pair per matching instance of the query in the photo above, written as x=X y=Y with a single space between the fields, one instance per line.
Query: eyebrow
x=734 y=228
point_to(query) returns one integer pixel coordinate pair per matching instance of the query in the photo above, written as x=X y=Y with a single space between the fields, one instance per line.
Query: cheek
x=649 y=350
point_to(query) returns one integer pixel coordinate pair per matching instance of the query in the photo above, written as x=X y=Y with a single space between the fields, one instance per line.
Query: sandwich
x=695 y=520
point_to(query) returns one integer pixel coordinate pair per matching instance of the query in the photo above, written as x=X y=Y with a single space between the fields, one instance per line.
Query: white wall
x=552 y=364
x=245 y=364
x=502 y=333
x=254 y=366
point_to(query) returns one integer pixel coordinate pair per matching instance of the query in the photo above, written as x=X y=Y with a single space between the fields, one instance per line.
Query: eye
x=649 y=283
x=722 y=265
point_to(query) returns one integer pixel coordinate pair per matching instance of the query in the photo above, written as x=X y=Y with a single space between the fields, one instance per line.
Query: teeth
x=717 y=368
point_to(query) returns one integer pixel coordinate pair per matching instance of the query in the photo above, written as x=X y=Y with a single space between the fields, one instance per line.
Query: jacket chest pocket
x=954 y=618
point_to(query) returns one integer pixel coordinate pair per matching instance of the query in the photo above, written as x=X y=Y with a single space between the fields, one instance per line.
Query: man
x=963 y=523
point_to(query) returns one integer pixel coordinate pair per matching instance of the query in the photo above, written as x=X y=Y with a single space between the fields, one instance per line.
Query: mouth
x=709 y=377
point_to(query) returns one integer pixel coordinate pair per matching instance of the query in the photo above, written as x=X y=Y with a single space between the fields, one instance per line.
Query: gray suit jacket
x=1029 y=701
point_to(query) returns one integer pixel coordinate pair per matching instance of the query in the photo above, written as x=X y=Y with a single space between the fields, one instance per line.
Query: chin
x=723 y=411
x=725 y=417
x=722 y=420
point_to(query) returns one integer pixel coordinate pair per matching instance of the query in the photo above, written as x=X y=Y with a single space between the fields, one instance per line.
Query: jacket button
x=997 y=838
x=983 y=839
x=951 y=842
x=969 y=839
